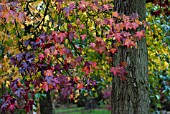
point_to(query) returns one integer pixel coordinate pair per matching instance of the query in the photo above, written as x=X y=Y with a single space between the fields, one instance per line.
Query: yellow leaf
x=7 y=83
x=45 y=28
x=109 y=79
x=47 y=18
x=85 y=94
x=93 y=89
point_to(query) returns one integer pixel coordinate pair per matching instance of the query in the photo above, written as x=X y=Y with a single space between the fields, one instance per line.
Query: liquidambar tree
x=131 y=96
x=68 y=46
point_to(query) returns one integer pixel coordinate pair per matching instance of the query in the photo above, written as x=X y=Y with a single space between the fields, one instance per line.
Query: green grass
x=80 y=111
x=60 y=110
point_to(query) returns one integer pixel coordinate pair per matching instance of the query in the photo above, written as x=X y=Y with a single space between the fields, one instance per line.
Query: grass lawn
x=80 y=111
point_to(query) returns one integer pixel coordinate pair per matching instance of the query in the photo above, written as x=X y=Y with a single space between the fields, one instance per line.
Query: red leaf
x=11 y=107
x=82 y=26
x=37 y=40
x=129 y=43
x=27 y=108
x=98 y=39
x=48 y=73
x=126 y=34
x=55 y=37
x=127 y=25
x=135 y=25
x=55 y=52
x=106 y=7
x=29 y=105
x=156 y=13
x=75 y=79
x=79 y=48
x=101 y=49
x=93 y=45
x=86 y=68
x=83 y=36
x=82 y=5
x=114 y=70
x=118 y=37
x=71 y=96
x=140 y=34
x=79 y=59
x=71 y=35
x=94 y=64
x=45 y=86
x=115 y=14
x=119 y=26
x=62 y=35
x=118 y=70
x=41 y=57
x=47 y=52
x=62 y=51
x=123 y=64
x=78 y=21
x=113 y=50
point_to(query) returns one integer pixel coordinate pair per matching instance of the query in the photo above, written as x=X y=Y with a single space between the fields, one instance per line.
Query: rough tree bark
x=46 y=104
x=131 y=96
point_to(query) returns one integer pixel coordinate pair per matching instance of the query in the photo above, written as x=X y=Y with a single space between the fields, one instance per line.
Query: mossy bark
x=131 y=96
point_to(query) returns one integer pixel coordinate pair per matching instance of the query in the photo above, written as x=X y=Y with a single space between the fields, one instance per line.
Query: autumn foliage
x=61 y=45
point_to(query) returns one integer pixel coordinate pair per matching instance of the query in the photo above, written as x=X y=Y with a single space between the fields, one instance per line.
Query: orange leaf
x=115 y=14
x=80 y=86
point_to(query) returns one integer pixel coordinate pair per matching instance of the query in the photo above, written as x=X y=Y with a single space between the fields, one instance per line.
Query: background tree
x=158 y=39
x=131 y=96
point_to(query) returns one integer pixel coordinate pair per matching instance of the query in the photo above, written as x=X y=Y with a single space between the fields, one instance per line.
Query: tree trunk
x=131 y=96
x=46 y=104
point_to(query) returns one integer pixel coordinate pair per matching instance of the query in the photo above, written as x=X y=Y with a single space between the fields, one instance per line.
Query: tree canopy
x=68 y=46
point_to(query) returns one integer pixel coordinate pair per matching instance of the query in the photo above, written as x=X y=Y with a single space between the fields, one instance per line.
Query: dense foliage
x=67 y=46
x=158 y=38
